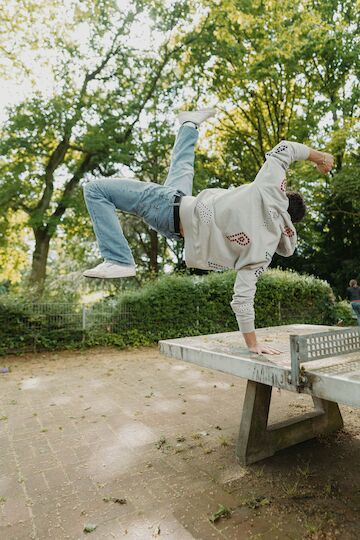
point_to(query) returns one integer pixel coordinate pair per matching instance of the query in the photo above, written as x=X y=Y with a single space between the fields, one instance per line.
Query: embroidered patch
x=278 y=149
x=273 y=214
x=215 y=266
x=259 y=271
x=243 y=308
x=288 y=232
x=283 y=185
x=206 y=214
x=239 y=238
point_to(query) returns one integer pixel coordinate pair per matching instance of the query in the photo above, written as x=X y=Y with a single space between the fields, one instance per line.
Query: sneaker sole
x=109 y=277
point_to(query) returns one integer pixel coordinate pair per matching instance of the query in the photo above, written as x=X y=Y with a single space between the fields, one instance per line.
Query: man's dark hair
x=297 y=207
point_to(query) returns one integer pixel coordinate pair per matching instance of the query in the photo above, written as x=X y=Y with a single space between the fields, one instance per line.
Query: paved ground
x=142 y=447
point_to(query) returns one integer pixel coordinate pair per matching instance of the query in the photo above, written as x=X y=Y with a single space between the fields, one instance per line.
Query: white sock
x=190 y=124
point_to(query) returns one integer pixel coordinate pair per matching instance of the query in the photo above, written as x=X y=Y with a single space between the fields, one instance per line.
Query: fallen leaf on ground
x=89 y=527
x=222 y=511
x=115 y=500
x=160 y=443
x=256 y=502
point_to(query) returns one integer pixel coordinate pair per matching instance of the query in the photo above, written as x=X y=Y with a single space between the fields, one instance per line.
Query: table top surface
x=336 y=378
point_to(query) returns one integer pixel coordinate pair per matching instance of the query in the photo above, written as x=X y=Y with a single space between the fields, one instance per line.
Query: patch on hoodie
x=206 y=214
x=287 y=242
x=288 y=232
x=240 y=238
x=243 y=308
x=259 y=271
x=281 y=147
x=216 y=266
x=273 y=214
x=278 y=149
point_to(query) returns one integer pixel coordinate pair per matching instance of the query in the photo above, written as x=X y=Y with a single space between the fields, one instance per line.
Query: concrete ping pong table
x=332 y=376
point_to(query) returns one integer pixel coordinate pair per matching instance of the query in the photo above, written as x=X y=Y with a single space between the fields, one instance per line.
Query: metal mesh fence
x=27 y=327
x=59 y=315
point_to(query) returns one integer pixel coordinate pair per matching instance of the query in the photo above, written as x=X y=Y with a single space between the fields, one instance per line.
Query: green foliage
x=104 y=85
x=344 y=314
x=171 y=306
x=275 y=70
x=289 y=298
x=24 y=327
x=187 y=305
x=288 y=71
x=181 y=305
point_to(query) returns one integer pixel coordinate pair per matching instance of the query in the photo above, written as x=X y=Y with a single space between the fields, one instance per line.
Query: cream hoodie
x=243 y=227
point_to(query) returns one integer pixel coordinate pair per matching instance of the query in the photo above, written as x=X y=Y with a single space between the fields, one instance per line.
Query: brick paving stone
x=56 y=478
x=36 y=485
x=19 y=531
x=15 y=509
x=195 y=513
x=53 y=480
x=99 y=511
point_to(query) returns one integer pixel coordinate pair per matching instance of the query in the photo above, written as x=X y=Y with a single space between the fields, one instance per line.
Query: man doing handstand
x=239 y=228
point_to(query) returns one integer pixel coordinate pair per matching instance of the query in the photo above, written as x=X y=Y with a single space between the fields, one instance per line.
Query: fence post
x=83 y=317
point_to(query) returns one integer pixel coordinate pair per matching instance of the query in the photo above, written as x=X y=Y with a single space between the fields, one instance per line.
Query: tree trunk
x=40 y=255
x=154 y=250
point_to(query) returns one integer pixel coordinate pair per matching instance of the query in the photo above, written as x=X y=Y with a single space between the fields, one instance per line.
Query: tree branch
x=58 y=155
x=67 y=193
x=153 y=83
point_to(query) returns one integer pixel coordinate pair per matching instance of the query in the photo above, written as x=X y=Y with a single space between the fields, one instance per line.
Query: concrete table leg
x=257 y=440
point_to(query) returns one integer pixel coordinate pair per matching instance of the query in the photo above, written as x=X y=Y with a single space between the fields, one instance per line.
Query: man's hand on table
x=263 y=349
x=258 y=348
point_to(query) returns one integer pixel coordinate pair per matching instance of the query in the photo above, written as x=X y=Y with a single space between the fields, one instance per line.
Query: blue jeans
x=153 y=203
x=356 y=308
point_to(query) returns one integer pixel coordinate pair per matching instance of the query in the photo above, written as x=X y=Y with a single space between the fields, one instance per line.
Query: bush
x=344 y=314
x=26 y=326
x=286 y=297
x=169 y=307
x=191 y=305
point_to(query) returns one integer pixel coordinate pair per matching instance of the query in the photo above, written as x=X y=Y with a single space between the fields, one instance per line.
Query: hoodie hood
x=288 y=239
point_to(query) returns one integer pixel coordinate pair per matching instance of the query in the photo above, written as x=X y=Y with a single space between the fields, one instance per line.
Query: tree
x=50 y=145
x=288 y=71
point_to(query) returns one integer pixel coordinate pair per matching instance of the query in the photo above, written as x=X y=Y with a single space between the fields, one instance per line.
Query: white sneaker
x=109 y=270
x=197 y=117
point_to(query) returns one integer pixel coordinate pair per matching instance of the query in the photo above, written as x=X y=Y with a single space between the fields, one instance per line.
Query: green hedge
x=184 y=305
x=171 y=306
x=285 y=297
x=23 y=327
x=344 y=314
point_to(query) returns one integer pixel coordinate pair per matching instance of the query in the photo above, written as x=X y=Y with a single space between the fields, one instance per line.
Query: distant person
x=353 y=295
x=238 y=228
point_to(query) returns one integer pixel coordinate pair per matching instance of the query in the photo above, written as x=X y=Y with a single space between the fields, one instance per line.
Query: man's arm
x=323 y=161
x=243 y=306
x=279 y=159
